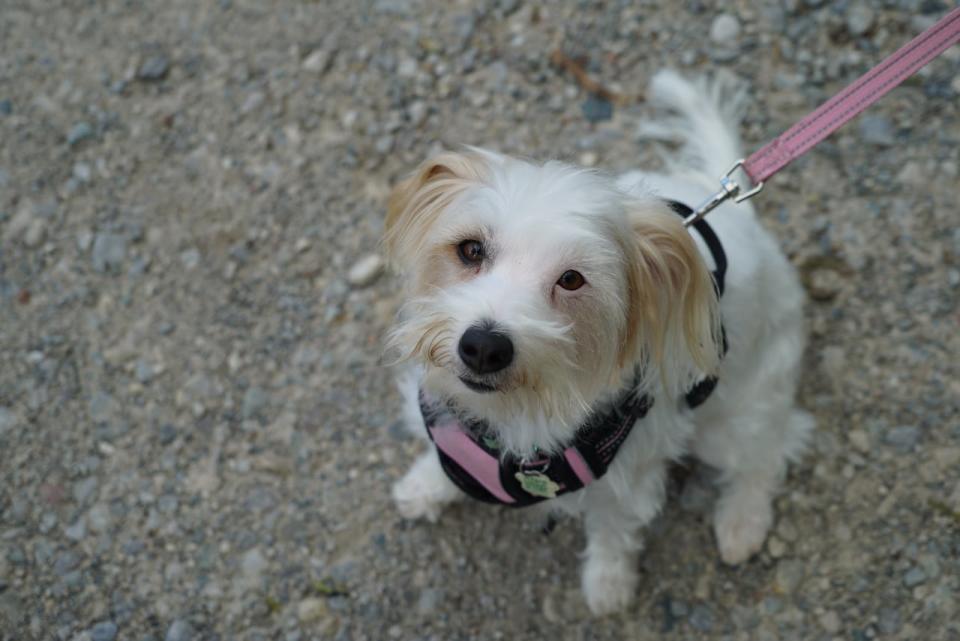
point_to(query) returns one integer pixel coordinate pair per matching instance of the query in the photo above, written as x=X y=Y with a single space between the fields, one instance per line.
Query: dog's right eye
x=471 y=252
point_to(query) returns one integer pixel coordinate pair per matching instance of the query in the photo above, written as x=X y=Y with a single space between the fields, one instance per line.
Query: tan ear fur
x=671 y=297
x=416 y=202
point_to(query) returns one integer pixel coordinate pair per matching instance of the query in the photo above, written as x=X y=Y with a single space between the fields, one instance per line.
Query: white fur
x=544 y=219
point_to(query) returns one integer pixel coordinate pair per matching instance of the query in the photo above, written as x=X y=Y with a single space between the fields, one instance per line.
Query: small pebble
x=417 y=112
x=903 y=438
x=311 y=610
x=876 y=130
x=788 y=576
x=77 y=531
x=890 y=621
x=179 y=630
x=860 y=440
x=317 y=62
x=154 y=68
x=78 y=133
x=143 y=371
x=725 y=29
x=914 y=577
x=105 y=631
x=35 y=233
x=7 y=419
x=254 y=400
x=701 y=618
x=428 y=601
x=860 y=19
x=830 y=621
x=365 y=271
x=109 y=252
x=597 y=109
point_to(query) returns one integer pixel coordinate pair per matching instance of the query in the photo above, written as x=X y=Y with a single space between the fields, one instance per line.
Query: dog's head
x=537 y=288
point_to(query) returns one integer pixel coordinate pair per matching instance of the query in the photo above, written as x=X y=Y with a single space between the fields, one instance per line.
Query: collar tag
x=537 y=484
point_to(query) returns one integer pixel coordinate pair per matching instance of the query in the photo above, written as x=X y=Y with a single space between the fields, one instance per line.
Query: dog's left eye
x=571 y=280
x=471 y=252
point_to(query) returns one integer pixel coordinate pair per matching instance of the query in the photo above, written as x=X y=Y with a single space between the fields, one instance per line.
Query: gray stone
x=48 y=521
x=43 y=551
x=7 y=420
x=77 y=531
x=104 y=631
x=678 y=609
x=317 y=62
x=701 y=618
x=830 y=621
x=311 y=610
x=417 y=112
x=109 y=252
x=99 y=518
x=143 y=370
x=914 y=576
x=78 y=133
x=788 y=576
x=82 y=172
x=16 y=555
x=860 y=19
x=596 y=109
x=12 y=611
x=6 y=107
x=65 y=563
x=393 y=7
x=154 y=68
x=84 y=489
x=398 y=431
x=725 y=29
x=168 y=503
x=254 y=400
x=101 y=407
x=365 y=271
x=35 y=233
x=167 y=434
x=889 y=621
x=876 y=130
x=428 y=601
x=903 y=438
x=179 y=630
x=190 y=258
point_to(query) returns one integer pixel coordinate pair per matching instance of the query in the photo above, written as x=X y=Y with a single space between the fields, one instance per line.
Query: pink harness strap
x=454 y=442
x=869 y=88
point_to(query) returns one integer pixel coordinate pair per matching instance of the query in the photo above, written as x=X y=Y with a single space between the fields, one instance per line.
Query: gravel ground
x=196 y=438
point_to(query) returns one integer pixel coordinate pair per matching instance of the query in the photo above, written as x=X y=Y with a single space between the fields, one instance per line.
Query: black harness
x=472 y=458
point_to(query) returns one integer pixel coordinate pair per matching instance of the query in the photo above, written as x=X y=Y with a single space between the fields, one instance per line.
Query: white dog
x=570 y=342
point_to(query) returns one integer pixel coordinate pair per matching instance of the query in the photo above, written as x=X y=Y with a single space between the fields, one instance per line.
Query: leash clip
x=729 y=189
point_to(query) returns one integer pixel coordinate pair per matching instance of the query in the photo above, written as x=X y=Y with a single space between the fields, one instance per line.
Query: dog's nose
x=485 y=351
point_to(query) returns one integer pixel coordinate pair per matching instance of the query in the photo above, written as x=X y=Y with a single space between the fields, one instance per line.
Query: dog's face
x=535 y=287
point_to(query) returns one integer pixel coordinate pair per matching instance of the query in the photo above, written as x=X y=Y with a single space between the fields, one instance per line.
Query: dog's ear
x=672 y=308
x=417 y=201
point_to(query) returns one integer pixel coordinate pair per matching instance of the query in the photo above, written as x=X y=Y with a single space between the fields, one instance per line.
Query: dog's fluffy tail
x=704 y=119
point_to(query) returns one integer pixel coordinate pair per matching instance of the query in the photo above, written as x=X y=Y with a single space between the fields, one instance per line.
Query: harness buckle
x=729 y=188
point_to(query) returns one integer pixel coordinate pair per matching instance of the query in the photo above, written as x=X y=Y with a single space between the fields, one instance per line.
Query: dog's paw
x=741 y=527
x=609 y=584
x=424 y=490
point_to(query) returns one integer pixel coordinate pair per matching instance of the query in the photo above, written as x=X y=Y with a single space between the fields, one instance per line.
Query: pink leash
x=836 y=112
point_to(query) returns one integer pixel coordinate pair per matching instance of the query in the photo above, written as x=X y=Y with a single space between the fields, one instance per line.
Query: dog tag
x=537 y=484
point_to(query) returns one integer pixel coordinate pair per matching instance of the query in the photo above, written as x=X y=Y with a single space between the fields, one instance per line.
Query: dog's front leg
x=425 y=489
x=613 y=523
